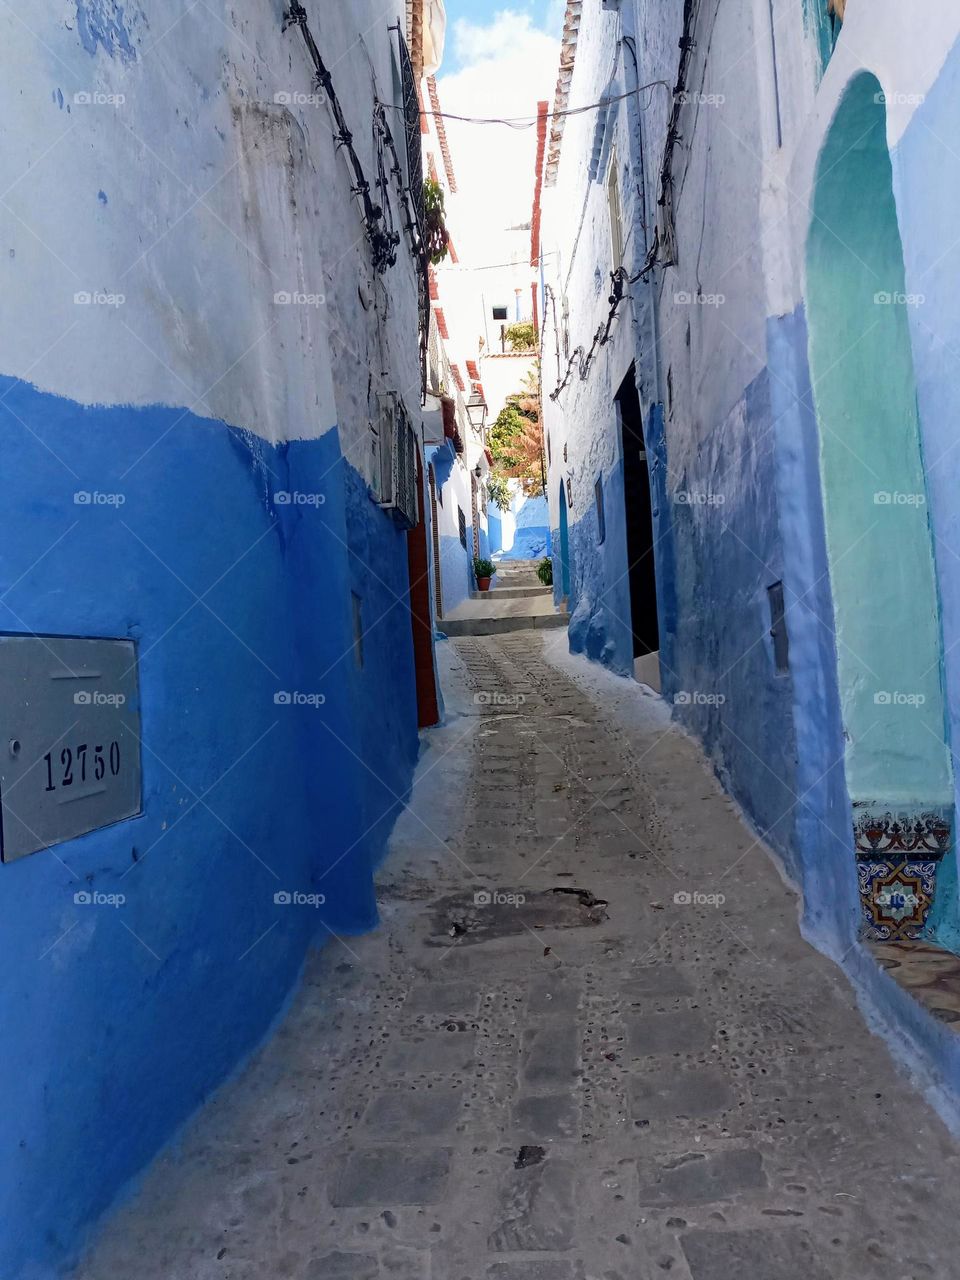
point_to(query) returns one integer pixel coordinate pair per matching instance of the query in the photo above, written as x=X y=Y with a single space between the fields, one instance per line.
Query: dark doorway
x=428 y=709
x=639 y=521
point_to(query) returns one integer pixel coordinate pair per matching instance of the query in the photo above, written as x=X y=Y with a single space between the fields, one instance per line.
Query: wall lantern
x=477 y=411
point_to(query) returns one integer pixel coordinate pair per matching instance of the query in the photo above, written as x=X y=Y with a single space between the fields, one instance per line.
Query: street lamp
x=477 y=412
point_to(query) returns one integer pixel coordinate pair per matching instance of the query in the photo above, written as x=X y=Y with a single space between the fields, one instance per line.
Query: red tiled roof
x=458 y=377
x=434 y=286
x=441 y=133
x=472 y=370
x=442 y=324
x=561 y=102
x=542 y=109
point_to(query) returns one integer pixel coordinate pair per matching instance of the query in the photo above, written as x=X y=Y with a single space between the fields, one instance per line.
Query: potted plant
x=545 y=571
x=484 y=570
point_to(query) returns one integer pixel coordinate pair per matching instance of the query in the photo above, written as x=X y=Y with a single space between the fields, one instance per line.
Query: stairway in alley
x=517 y=601
x=587 y=1041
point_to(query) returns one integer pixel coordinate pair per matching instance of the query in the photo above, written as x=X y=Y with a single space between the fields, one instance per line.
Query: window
x=616 y=216
x=601 y=515
x=501 y=313
x=778 y=628
x=462 y=524
x=410 y=105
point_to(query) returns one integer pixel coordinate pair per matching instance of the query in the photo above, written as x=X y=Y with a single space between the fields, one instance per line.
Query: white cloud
x=506 y=66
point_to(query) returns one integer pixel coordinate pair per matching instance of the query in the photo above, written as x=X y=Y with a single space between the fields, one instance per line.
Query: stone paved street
x=542 y=1066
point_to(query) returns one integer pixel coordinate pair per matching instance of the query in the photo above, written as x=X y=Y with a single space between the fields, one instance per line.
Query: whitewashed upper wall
x=576 y=235
x=185 y=186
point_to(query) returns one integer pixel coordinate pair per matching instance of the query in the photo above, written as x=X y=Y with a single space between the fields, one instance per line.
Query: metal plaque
x=69 y=739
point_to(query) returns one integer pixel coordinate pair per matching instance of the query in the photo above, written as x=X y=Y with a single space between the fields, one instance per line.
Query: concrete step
x=496 y=626
x=517 y=580
x=491 y=617
x=512 y=593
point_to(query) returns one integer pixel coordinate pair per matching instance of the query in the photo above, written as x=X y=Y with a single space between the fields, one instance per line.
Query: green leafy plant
x=545 y=571
x=498 y=491
x=483 y=568
x=435 y=230
x=522 y=337
x=516 y=438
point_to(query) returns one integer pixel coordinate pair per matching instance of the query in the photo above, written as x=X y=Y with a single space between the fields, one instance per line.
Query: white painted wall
x=578 y=262
x=218 y=173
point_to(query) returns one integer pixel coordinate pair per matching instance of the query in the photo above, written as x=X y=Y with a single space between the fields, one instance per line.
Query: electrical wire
x=530 y=122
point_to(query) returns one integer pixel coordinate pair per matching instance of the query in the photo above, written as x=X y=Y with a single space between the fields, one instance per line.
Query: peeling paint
x=105 y=24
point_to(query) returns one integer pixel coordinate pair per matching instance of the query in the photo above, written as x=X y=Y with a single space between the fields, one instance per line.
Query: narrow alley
x=480 y=640
x=587 y=1042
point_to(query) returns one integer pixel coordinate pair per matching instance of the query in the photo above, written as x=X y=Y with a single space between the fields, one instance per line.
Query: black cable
x=529 y=122
x=383 y=241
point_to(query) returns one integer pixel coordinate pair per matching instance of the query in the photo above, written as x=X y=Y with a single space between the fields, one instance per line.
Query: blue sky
x=500 y=60
x=547 y=15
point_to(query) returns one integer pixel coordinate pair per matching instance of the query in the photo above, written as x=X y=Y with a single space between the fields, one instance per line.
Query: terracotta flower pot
x=483 y=584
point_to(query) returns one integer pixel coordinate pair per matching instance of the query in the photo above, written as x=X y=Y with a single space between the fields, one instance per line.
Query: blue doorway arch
x=564 y=545
x=887 y=630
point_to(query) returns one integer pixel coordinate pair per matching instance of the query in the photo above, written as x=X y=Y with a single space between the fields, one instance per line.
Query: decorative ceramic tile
x=898 y=852
x=894 y=837
x=896 y=898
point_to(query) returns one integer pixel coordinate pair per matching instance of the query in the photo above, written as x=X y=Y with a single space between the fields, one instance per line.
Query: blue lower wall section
x=119 y=1021
x=599 y=603
x=496 y=530
x=823 y=857
x=727 y=551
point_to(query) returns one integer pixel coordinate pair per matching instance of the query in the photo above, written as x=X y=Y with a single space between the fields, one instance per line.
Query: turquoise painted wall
x=878 y=538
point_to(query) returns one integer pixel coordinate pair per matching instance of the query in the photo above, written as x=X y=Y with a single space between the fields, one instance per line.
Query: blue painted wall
x=532 y=539
x=119 y=1021
x=599 y=602
x=718 y=666
x=822 y=856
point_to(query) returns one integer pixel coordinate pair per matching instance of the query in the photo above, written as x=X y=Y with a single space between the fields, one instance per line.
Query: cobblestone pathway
x=542 y=1066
